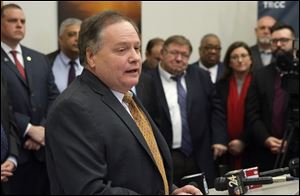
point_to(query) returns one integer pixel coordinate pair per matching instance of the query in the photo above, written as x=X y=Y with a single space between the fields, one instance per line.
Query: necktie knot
x=177 y=78
x=18 y=64
x=13 y=52
x=127 y=98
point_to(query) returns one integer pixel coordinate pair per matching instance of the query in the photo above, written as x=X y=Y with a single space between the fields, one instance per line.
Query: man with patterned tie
x=9 y=140
x=100 y=139
x=31 y=88
x=65 y=61
x=189 y=115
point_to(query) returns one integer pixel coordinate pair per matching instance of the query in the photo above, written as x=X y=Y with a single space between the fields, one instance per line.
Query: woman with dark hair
x=233 y=88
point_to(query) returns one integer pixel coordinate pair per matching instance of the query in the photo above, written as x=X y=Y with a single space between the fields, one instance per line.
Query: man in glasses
x=261 y=51
x=210 y=54
x=189 y=113
x=267 y=104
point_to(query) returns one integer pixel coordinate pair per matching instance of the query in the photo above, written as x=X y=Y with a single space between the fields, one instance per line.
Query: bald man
x=261 y=51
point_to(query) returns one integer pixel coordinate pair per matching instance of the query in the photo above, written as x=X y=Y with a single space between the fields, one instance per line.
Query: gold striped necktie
x=146 y=130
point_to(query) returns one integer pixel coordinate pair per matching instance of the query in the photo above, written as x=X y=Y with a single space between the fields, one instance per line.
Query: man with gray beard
x=261 y=52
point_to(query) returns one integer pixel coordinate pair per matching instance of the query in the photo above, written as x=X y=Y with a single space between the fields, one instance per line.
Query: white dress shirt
x=61 y=69
x=170 y=89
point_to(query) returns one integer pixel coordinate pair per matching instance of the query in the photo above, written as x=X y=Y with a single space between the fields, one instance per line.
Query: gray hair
x=91 y=29
x=67 y=22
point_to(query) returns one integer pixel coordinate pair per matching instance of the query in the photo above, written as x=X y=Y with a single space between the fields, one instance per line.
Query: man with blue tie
x=188 y=114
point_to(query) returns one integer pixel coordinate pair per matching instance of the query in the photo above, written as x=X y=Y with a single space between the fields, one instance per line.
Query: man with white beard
x=261 y=52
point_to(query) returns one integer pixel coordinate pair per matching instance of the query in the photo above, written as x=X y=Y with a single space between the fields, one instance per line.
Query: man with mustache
x=261 y=51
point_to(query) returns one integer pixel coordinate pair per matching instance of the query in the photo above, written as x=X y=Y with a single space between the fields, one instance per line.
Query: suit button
x=34 y=109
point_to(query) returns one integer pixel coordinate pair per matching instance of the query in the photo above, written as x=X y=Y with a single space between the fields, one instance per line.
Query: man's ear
x=90 y=57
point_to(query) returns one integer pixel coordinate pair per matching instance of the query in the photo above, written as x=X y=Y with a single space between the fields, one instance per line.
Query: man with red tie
x=31 y=87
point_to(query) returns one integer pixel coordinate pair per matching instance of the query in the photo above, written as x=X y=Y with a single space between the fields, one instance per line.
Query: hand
x=32 y=145
x=37 y=133
x=235 y=147
x=274 y=144
x=219 y=150
x=187 y=190
x=7 y=169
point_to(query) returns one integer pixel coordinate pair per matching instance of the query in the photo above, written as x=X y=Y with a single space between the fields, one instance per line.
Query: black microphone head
x=294 y=167
x=221 y=184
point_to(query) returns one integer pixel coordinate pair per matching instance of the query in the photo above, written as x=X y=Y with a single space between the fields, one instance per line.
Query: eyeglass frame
x=175 y=53
x=210 y=48
x=236 y=58
x=282 y=40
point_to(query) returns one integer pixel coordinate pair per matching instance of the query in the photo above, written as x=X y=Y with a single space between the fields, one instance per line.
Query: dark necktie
x=18 y=64
x=145 y=128
x=4 y=145
x=278 y=109
x=186 y=143
x=72 y=74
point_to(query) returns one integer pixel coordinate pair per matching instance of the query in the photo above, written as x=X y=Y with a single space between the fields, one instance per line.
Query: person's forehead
x=282 y=32
x=211 y=40
x=13 y=12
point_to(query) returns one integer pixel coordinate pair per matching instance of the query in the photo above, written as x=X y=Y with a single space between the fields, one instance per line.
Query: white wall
x=230 y=20
x=41 y=24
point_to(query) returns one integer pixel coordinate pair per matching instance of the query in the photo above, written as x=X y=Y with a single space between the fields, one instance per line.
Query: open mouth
x=131 y=71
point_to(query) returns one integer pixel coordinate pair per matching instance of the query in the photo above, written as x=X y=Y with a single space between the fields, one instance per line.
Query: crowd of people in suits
x=66 y=127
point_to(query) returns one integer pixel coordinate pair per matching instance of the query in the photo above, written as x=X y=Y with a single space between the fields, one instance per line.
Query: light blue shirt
x=61 y=69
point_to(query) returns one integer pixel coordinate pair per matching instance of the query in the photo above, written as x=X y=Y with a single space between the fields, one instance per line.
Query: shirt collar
x=166 y=75
x=7 y=49
x=66 y=59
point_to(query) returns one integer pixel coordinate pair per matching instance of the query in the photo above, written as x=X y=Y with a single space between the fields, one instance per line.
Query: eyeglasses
x=176 y=53
x=237 y=58
x=281 y=40
x=210 y=48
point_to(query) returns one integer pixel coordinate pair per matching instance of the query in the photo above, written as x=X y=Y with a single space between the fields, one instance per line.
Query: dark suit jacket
x=30 y=99
x=8 y=123
x=95 y=147
x=257 y=61
x=220 y=69
x=259 y=111
x=52 y=56
x=206 y=117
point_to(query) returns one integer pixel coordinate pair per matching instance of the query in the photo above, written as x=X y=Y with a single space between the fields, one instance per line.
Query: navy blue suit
x=206 y=117
x=30 y=100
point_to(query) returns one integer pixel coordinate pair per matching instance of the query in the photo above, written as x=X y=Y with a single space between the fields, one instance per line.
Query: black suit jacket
x=8 y=123
x=51 y=56
x=257 y=61
x=30 y=99
x=259 y=111
x=95 y=147
x=206 y=117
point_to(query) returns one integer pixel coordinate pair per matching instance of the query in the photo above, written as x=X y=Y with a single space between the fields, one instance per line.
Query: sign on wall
x=284 y=11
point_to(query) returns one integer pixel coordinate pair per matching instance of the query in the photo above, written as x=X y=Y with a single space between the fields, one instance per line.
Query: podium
x=281 y=188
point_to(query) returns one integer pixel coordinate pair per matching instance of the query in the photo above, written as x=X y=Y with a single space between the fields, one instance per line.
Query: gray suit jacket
x=95 y=147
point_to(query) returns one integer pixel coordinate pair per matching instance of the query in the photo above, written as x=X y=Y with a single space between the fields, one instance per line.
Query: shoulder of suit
x=31 y=51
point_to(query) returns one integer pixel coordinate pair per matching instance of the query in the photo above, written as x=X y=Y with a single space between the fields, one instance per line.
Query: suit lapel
x=111 y=101
x=6 y=61
x=27 y=65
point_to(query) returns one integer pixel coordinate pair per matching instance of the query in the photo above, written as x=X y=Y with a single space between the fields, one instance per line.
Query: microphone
x=292 y=169
x=198 y=180
x=224 y=183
